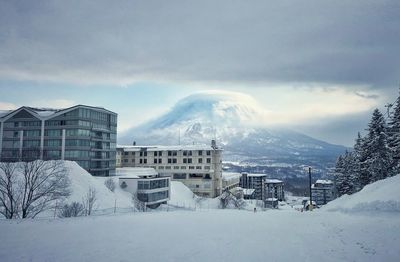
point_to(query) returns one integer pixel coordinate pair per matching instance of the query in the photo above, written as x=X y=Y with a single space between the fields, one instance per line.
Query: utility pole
x=310 y=207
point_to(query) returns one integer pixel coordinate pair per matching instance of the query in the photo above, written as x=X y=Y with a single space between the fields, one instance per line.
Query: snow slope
x=383 y=195
x=182 y=196
x=81 y=181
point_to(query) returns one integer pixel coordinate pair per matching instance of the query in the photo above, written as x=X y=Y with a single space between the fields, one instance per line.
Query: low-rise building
x=199 y=167
x=146 y=184
x=230 y=180
x=323 y=191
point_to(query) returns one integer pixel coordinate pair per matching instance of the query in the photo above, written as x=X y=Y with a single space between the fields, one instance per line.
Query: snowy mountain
x=233 y=119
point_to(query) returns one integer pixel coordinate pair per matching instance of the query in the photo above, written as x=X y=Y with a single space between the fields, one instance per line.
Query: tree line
x=374 y=156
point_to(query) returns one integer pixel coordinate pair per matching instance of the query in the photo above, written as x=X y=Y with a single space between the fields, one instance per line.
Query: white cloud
x=7 y=106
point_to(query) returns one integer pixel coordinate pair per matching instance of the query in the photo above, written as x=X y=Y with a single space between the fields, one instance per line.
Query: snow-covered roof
x=325 y=182
x=135 y=172
x=273 y=181
x=163 y=148
x=255 y=175
x=230 y=175
x=47 y=113
x=4 y=112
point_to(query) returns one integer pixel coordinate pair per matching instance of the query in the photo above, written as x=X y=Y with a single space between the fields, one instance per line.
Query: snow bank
x=182 y=196
x=382 y=196
x=81 y=181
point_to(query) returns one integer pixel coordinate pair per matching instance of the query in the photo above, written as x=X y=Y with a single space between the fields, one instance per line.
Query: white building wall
x=210 y=165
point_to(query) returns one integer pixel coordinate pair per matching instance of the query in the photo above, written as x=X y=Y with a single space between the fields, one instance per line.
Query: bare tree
x=74 y=209
x=89 y=201
x=42 y=184
x=110 y=184
x=228 y=199
x=8 y=190
x=138 y=204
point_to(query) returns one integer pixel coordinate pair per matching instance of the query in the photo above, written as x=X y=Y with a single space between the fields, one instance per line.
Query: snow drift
x=381 y=196
x=81 y=181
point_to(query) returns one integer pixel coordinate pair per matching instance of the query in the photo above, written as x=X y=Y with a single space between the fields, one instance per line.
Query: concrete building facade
x=323 y=191
x=199 y=167
x=264 y=188
x=148 y=186
x=84 y=134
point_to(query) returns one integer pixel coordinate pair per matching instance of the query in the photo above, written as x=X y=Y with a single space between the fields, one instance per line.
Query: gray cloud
x=340 y=130
x=352 y=42
x=366 y=95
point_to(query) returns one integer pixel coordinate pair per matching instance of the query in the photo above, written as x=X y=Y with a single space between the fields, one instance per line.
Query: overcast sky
x=322 y=66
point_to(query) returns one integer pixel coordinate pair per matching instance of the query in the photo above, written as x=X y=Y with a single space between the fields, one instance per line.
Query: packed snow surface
x=383 y=195
x=215 y=235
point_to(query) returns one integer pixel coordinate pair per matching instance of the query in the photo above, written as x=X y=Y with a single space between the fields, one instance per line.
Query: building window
x=160 y=160
x=141 y=161
x=174 y=161
x=198 y=167
x=159 y=153
x=155 y=160
x=185 y=160
x=189 y=160
x=179 y=176
x=183 y=167
x=155 y=153
x=200 y=160
x=208 y=153
x=176 y=167
x=169 y=160
x=191 y=167
x=208 y=160
x=200 y=152
x=145 y=161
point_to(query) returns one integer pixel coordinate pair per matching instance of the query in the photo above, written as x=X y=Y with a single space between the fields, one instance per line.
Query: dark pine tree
x=394 y=138
x=376 y=164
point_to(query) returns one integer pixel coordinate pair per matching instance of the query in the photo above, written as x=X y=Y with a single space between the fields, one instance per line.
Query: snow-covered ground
x=201 y=232
x=215 y=235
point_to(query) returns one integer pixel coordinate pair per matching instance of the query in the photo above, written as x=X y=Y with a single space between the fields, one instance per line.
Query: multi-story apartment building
x=263 y=187
x=323 y=191
x=147 y=185
x=80 y=133
x=199 y=167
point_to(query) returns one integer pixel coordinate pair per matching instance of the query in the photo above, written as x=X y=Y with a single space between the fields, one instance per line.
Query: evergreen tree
x=394 y=139
x=358 y=158
x=339 y=176
x=344 y=175
x=376 y=164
